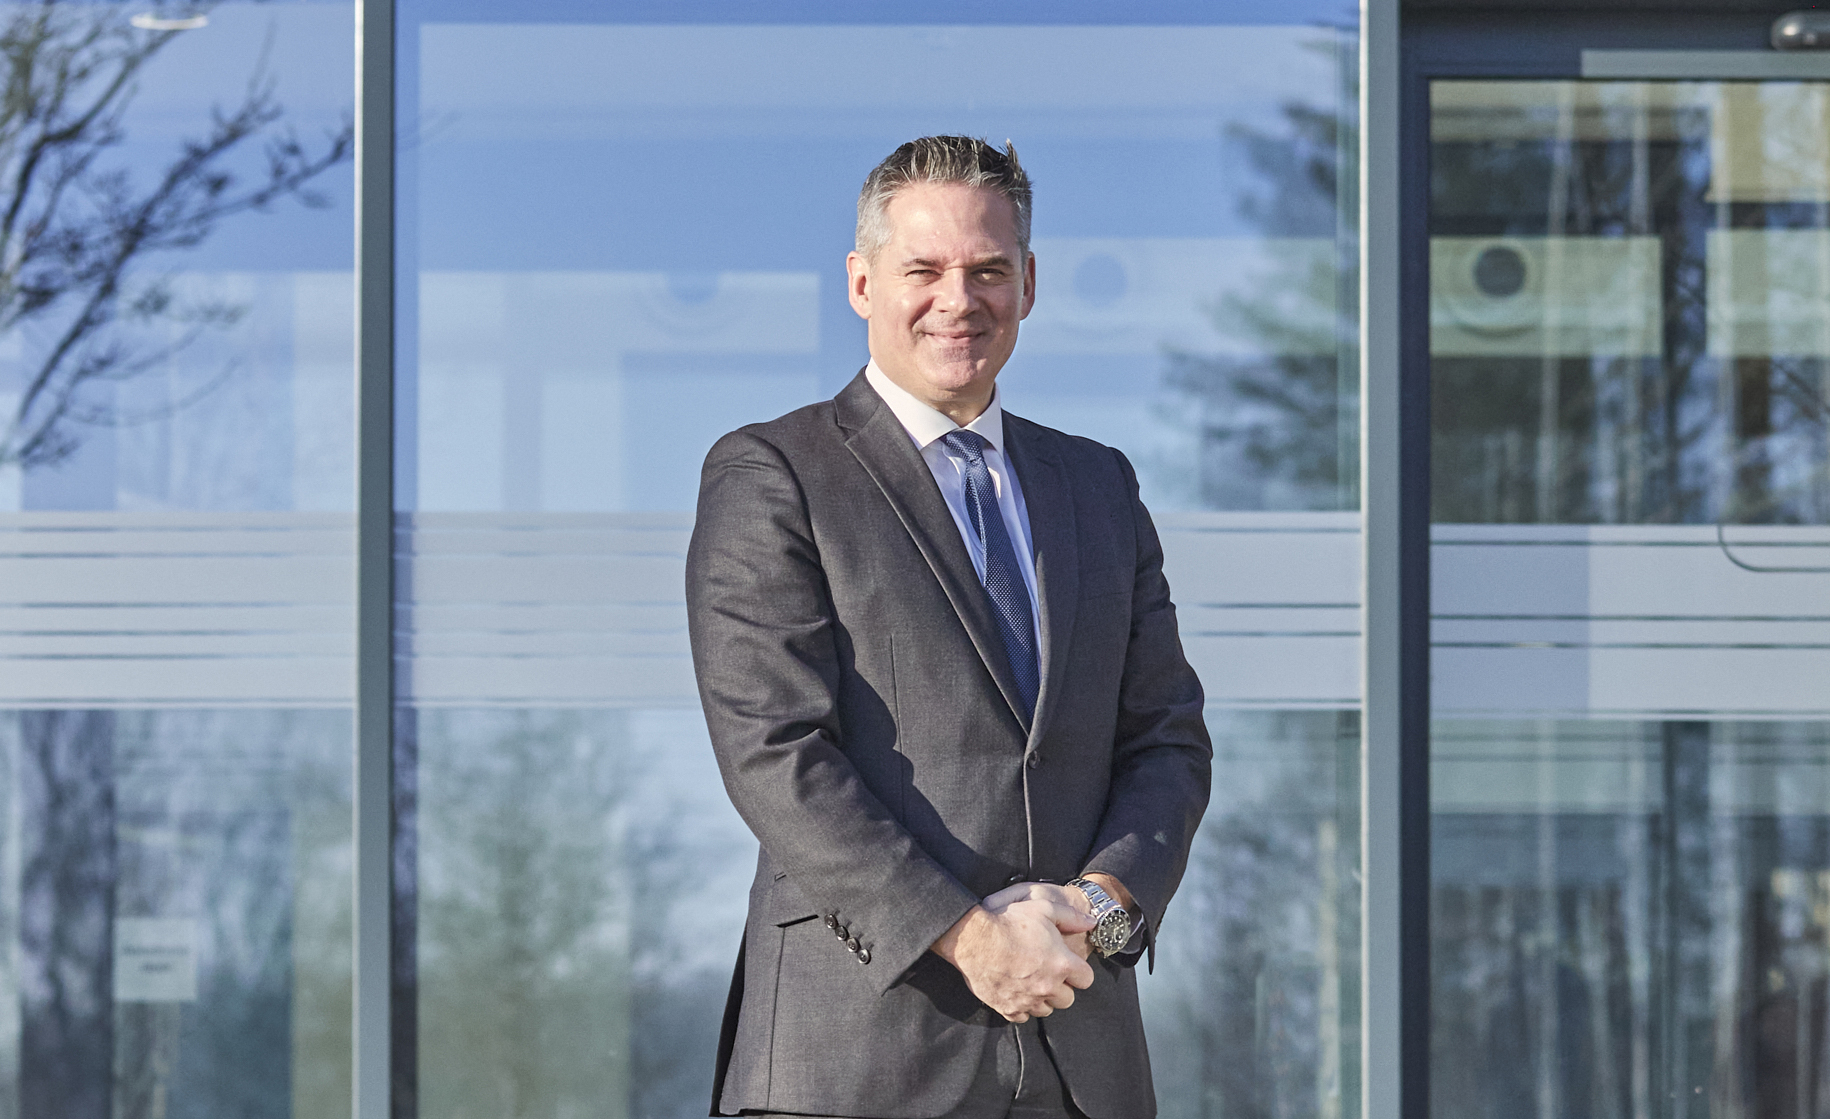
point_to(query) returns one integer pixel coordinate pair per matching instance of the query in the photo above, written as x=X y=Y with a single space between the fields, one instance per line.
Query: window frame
x=1394 y=1024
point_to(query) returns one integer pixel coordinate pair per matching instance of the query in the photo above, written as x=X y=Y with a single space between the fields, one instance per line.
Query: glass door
x=1630 y=363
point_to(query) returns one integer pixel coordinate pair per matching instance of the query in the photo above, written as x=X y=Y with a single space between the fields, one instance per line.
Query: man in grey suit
x=943 y=680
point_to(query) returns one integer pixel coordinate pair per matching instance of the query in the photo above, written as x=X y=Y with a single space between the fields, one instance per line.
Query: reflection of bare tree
x=570 y=960
x=1578 y=439
x=1781 y=441
x=234 y=822
x=1562 y=986
x=1686 y=436
x=146 y=1054
x=677 y=1002
x=1259 y=939
x=318 y=791
x=522 y=917
x=66 y=1042
x=213 y=811
x=74 y=230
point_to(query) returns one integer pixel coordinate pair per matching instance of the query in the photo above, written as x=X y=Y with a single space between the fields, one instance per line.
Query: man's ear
x=858 y=284
x=1029 y=284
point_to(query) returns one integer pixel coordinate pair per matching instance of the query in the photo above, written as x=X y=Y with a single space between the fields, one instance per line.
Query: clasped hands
x=1023 y=950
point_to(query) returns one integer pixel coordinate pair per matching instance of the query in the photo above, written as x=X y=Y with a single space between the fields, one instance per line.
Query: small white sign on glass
x=155 y=959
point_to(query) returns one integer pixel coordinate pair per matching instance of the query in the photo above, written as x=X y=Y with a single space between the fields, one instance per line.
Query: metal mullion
x=1394 y=1013
x=372 y=1051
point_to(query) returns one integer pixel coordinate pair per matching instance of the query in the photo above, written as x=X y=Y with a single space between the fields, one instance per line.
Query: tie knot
x=968 y=443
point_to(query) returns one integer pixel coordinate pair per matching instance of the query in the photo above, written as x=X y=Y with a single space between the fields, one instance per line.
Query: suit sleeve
x=761 y=623
x=1162 y=757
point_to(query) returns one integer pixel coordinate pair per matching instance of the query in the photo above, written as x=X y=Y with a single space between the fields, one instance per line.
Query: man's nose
x=955 y=292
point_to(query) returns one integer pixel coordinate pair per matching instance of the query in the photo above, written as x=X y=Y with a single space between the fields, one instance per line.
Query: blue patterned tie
x=1003 y=577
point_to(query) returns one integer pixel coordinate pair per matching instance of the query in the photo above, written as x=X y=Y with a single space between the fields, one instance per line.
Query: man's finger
x=1061 y=998
x=1071 y=920
x=1006 y=896
x=1080 y=975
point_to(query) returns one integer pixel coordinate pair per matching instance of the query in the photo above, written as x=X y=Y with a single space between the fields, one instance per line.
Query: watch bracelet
x=1104 y=904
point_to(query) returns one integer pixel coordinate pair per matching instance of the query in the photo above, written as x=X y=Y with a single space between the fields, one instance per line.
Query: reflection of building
x=615 y=237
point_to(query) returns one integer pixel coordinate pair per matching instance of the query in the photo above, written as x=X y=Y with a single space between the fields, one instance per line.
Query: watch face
x=1113 y=931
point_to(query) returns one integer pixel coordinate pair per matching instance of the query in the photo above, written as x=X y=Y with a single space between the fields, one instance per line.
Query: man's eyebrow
x=923 y=262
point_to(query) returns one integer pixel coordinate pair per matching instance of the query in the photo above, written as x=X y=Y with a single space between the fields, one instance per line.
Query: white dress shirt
x=926 y=426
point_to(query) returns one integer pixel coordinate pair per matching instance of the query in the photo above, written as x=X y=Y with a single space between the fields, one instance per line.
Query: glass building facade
x=356 y=366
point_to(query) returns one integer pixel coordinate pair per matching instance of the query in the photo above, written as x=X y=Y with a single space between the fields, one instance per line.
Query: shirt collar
x=924 y=424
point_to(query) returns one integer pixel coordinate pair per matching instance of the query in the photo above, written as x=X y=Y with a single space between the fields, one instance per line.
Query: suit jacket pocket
x=781 y=903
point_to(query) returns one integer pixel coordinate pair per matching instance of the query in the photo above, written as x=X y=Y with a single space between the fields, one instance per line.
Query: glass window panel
x=175 y=562
x=1629 y=561
x=629 y=241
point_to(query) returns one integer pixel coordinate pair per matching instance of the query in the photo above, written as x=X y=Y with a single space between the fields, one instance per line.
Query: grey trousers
x=1016 y=1080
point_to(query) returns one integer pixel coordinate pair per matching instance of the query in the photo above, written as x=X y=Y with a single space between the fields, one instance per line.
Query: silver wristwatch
x=1113 y=930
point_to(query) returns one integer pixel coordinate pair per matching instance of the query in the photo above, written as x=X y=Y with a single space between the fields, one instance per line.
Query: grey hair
x=966 y=160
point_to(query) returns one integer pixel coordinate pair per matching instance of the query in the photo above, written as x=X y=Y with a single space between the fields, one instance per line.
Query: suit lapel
x=1050 y=502
x=889 y=456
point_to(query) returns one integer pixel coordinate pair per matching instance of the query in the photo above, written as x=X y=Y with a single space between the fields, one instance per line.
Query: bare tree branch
x=74 y=232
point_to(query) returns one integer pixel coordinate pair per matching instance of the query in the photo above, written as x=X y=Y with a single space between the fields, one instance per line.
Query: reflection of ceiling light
x=1802 y=31
x=149 y=21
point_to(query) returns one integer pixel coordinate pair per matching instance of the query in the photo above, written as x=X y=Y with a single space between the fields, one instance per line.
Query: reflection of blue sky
x=735 y=146
x=1063 y=71
x=1333 y=13
x=258 y=415
x=684 y=153
x=309 y=57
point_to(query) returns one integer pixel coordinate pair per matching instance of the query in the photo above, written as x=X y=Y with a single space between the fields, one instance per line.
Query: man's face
x=945 y=295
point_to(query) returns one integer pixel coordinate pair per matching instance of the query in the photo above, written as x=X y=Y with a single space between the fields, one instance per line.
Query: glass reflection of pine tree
x=77 y=228
x=1278 y=431
x=1264 y=926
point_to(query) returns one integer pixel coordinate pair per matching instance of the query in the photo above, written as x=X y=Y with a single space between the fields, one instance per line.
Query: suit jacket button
x=851 y=942
x=1013 y=880
x=841 y=932
x=864 y=955
x=831 y=921
x=1035 y=760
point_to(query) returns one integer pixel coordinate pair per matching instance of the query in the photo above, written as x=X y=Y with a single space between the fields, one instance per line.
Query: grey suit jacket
x=867 y=727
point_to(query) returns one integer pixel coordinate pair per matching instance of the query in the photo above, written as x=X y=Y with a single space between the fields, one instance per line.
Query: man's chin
x=964 y=376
